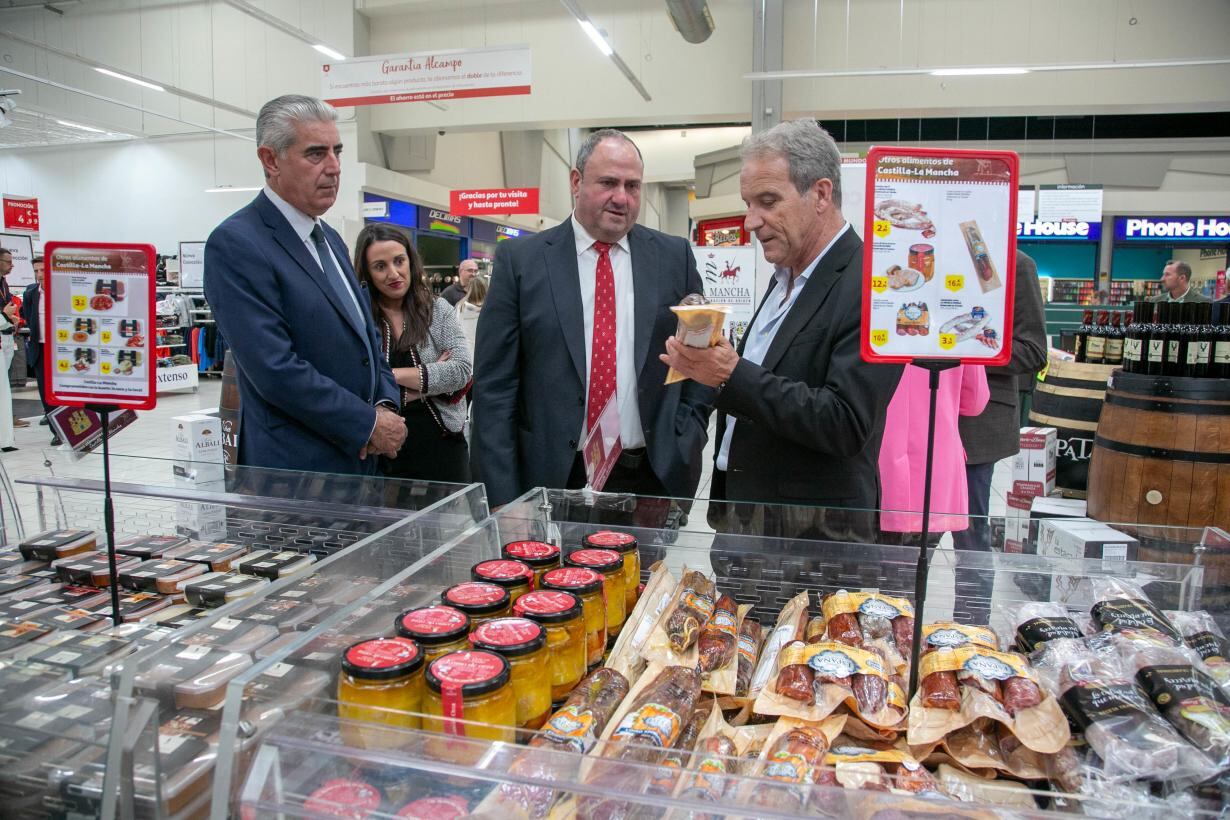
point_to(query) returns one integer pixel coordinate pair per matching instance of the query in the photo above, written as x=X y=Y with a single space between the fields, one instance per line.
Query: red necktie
x=602 y=357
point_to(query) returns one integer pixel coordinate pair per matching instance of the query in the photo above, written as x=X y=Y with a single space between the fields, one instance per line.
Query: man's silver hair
x=275 y=124
x=808 y=148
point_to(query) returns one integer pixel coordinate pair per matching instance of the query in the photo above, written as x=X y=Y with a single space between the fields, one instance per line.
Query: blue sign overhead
x=1195 y=230
x=395 y=211
x=1058 y=231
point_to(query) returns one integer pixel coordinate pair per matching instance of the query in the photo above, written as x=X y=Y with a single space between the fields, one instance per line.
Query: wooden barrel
x=1161 y=463
x=1070 y=400
x=228 y=411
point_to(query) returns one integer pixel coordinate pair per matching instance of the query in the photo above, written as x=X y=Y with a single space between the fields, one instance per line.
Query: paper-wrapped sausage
x=796 y=758
x=714 y=765
x=751 y=637
x=719 y=638
x=692 y=610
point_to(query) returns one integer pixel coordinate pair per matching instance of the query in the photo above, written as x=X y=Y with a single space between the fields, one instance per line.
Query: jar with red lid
x=344 y=797
x=626 y=545
x=561 y=614
x=381 y=685
x=437 y=630
x=588 y=585
x=514 y=576
x=440 y=807
x=480 y=600
x=474 y=686
x=523 y=643
x=537 y=555
x=611 y=564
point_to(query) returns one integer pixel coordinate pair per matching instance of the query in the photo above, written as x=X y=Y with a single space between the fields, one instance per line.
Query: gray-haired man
x=315 y=392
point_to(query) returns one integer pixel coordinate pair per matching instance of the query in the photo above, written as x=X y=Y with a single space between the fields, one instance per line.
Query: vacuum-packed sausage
x=677 y=759
x=815 y=630
x=844 y=628
x=719 y=637
x=903 y=635
x=940 y=691
x=797 y=758
x=716 y=759
x=1020 y=694
x=750 y=639
x=870 y=692
x=692 y=611
x=795 y=680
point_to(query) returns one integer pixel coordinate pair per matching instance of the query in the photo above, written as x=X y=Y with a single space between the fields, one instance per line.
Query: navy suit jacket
x=307 y=389
x=30 y=309
x=530 y=368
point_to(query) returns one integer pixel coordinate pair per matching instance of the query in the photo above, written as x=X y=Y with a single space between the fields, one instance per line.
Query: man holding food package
x=800 y=413
x=565 y=339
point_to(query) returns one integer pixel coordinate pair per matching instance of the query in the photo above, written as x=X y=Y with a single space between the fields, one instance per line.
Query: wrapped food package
x=692 y=610
x=719 y=639
x=1123 y=604
x=1035 y=623
x=751 y=638
x=1202 y=634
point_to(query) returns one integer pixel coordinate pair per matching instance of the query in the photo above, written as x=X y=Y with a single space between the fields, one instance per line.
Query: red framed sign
x=98 y=320
x=939 y=266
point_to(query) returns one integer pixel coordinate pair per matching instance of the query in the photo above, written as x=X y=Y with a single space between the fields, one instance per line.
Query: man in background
x=31 y=312
x=315 y=392
x=455 y=292
x=8 y=346
x=1177 y=284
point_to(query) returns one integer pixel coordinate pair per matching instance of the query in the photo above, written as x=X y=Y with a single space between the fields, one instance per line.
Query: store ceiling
x=31 y=129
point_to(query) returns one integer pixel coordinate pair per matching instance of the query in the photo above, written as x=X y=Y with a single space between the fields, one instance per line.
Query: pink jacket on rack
x=903 y=451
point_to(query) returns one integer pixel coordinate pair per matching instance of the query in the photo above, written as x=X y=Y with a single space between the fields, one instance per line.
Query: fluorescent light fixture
x=80 y=126
x=230 y=189
x=977 y=72
x=597 y=37
x=328 y=52
x=126 y=78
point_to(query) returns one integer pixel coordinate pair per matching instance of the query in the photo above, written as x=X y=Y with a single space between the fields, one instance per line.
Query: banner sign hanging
x=493 y=201
x=21 y=213
x=98 y=320
x=940 y=266
x=427 y=75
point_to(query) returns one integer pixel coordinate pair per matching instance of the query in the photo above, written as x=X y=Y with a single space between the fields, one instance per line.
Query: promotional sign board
x=1058 y=231
x=729 y=276
x=98 y=320
x=1058 y=203
x=427 y=75
x=21 y=213
x=494 y=201
x=443 y=222
x=192 y=264
x=1185 y=229
x=22 y=251
x=939 y=268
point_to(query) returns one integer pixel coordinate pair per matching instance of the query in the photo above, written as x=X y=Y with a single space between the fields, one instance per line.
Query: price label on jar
x=879 y=283
x=879 y=337
x=948 y=341
x=954 y=283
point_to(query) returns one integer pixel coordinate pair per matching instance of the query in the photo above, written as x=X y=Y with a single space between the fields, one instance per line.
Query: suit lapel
x=294 y=247
x=817 y=287
x=644 y=291
x=560 y=257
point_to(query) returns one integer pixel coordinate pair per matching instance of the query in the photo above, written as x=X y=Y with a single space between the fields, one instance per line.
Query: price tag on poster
x=98 y=320
x=940 y=261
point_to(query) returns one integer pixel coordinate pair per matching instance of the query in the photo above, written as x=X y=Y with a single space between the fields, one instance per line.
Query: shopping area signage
x=427 y=75
x=503 y=232
x=443 y=222
x=1202 y=229
x=21 y=213
x=494 y=201
x=1050 y=230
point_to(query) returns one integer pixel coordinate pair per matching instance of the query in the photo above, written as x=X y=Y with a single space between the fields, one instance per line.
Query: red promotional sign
x=939 y=266
x=21 y=213
x=98 y=323
x=487 y=201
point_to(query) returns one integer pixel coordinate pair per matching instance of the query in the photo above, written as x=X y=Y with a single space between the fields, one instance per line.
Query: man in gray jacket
x=994 y=434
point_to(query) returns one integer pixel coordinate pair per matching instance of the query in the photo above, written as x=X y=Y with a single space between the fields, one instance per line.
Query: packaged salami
x=864 y=766
x=1035 y=623
x=688 y=613
x=1202 y=634
x=628 y=655
x=751 y=639
x=1123 y=605
x=841 y=675
x=793 y=757
x=791 y=627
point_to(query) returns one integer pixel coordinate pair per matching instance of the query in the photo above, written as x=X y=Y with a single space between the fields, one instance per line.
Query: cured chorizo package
x=700 y=326
x=1124 y=605
x=718 y=647
x=1120 y=725
x=1035 y=623
x=574 y=728
x=751 y=639
x=988 y=748
x=998 y=686
x=1205 y=638
x=861 y=618
x=864 y=766
x=791 y=623
x=673 y=640
x=793 y=755
x=830 y=674
x=628 y=654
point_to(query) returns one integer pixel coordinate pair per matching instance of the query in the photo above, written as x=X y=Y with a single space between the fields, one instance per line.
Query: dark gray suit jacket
x=811 y=416
x=994 y=433
x=530 y=369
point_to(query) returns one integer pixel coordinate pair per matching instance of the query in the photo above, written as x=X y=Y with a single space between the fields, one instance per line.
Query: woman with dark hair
x=425 y=346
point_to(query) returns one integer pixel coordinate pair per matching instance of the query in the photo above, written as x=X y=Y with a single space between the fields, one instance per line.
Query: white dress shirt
x=762 y=332
x=631 y=434
x=302 y=225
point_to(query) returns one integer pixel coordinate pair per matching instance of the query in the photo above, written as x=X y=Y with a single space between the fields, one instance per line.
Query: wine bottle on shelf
x=1200 y=341
x=1095 y=341
x=1155 y=357
x=1220 y=367
x=1172 y=322
x=1113 y=354
x=1082 y=334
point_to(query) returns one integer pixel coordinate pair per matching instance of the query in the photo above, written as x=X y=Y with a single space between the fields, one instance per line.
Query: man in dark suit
x=801 y=414
x=315 y=392
x=569 y=325
x=31 y=305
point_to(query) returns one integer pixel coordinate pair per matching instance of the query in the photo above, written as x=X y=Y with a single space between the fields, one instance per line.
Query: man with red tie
x=572 y=327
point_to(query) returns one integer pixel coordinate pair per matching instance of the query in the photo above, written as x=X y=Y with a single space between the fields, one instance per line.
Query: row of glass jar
x=499 y=650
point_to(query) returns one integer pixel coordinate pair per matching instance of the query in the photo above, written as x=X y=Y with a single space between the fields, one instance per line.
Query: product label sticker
x=980 y=661
x=951 y=635
x=572 y=727
x=866 y=603
x=653 y=723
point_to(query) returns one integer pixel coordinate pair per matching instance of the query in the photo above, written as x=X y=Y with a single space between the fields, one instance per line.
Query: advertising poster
x=23 y=260
x=427 y=75
x=478 y=202
x=192 y=264
x=99 y=324
x=729 y=276
x=941 y=261
x=1070 y=202
x=21 y=213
